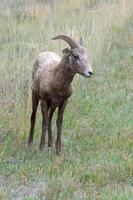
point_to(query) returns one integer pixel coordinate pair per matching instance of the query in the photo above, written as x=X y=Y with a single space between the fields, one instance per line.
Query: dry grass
x=96 y=162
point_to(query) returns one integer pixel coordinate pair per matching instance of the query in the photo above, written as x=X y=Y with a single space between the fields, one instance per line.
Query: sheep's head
x=76 y=56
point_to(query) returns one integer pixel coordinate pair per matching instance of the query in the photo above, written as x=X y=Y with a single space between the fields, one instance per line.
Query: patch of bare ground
x=11 y=186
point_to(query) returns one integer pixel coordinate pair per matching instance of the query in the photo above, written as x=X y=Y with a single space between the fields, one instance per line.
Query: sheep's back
x=43 y=68
x=45 y=61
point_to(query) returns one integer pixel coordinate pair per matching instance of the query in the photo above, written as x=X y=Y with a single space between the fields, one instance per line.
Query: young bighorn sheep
x=52 y=77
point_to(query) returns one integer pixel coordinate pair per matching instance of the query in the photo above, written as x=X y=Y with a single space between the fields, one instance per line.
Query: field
x=96 y=162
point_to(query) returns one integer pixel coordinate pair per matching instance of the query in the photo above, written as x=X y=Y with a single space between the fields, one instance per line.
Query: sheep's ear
x=81 y=41
x=66 y=51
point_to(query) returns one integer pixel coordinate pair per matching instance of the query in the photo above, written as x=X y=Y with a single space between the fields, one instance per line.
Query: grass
x=97 y=157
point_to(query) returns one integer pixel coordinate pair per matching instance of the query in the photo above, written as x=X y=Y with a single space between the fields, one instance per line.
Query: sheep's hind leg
x=44 y=109
x=59 y=121
x=50 y=138
x=35 y=102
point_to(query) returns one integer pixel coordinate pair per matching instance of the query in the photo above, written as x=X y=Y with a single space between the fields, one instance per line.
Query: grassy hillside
x=97 y=158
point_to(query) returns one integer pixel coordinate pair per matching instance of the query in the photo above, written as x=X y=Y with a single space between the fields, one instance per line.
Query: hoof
x=42 y=148
x=50 y=144
x=30 y=144
x=58 y=149
x=58 y=152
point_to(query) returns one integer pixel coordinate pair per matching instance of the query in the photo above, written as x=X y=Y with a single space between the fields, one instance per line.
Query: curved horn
x=69 y=40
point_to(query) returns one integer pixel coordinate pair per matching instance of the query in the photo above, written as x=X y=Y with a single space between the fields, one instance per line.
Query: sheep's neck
x=64 y=76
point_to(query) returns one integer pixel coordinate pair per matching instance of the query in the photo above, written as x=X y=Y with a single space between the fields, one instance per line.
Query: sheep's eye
x=76 y=56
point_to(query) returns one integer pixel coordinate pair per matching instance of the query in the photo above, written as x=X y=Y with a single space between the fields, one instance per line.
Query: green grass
x=97 y=157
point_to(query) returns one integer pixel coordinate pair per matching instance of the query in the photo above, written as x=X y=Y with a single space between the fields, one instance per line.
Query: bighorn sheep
x=52 y=77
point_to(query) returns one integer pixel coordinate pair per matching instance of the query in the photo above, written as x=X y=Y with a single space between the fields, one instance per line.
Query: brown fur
x=52 y=77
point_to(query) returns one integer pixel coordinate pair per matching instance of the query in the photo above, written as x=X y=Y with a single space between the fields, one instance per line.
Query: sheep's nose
x=91 y=73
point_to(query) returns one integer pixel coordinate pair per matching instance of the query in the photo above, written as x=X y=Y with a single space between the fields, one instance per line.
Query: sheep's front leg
x=50 y=139
x=59 y=121
x=44 y=109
